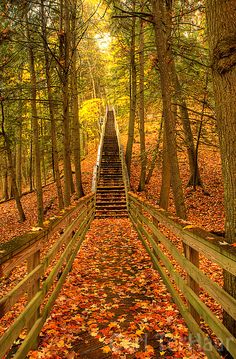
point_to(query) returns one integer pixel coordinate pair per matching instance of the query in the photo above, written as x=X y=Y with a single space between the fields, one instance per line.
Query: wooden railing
x=97 y=167
x=149 y=221
x=122 y=157
x=45 y=276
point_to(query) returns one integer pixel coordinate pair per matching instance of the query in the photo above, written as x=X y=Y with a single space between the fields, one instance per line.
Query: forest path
x=113 y=304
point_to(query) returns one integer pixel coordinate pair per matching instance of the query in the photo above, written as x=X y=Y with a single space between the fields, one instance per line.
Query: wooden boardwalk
x=113 y=304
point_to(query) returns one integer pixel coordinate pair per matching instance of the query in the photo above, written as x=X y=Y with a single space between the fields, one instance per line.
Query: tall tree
x=133 y=92
x=51 y=106
x=10 y=163
x=143 y=155
x=75 y=102
x=164 y=55
x=221 y=25
x=64 y=47
x=35 y=125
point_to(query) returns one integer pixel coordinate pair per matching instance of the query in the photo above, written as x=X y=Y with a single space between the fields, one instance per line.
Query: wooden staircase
x=110 y=195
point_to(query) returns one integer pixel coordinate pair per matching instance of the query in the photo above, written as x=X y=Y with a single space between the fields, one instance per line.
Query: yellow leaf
x=189 y=226
x=106 y=349
x=36 y=229
x=60 y=343
x=162 y=353
x=139 y=332
x=94 y=333
x=125 y=344
x=112 y=325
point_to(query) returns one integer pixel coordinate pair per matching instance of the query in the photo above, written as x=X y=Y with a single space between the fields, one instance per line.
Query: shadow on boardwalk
x=113 y=304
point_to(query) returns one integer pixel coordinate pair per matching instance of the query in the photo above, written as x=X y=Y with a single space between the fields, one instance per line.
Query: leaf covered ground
x=9 y=220
x=113 y=304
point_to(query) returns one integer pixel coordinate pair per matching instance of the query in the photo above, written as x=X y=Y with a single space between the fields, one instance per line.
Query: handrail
x=149 y=221
x=96 y=169
x=44 y=275
x=11 y=251
x=122 y=157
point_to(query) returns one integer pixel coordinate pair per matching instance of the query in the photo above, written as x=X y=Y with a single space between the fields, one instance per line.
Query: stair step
x=111 y=203
x=108 y=165
x=115 y=181
x=110 y=213
x=118 y=198
x=112 y=176
x=112 y=193
x=113 y=216
x=111 y=188
x=110 y=196
x=105 y=210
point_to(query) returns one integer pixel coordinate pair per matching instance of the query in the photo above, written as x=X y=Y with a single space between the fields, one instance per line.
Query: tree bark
x=189 y=141
x=64 y=74
x=37 y=160
x=164 y=55
x=19 y=146
x=133 y=96
x=165 y=176
x=19 y=158
x=143 y=155
x=5 y=183
x=56 y=169
x=155 y=156
x=75 y=108
x=221 y=21
x=12 y=169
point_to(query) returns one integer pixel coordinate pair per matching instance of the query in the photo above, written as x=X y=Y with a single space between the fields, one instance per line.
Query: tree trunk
x=5 y=182
x=19 y=145
x=64 y=74
x=37 y=160
x=221 y=20
x=56 y=169
x=164 y=60
x=155 y=154
x=133 y=95
x=165 y=176
x=12 y=169
x=31 y=165
x=143 y=155
x=13 y=182
x=75 y=109
x=193 y=164
x=43 y=162
x=92 y=78
x=19 y=158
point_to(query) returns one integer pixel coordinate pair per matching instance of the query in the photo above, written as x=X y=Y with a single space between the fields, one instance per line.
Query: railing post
x=155 y=223
x=193 y=256
x=139 y=212
x=32 y=263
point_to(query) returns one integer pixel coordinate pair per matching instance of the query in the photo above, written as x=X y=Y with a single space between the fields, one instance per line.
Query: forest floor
x=136 y=318
x=205 y=206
